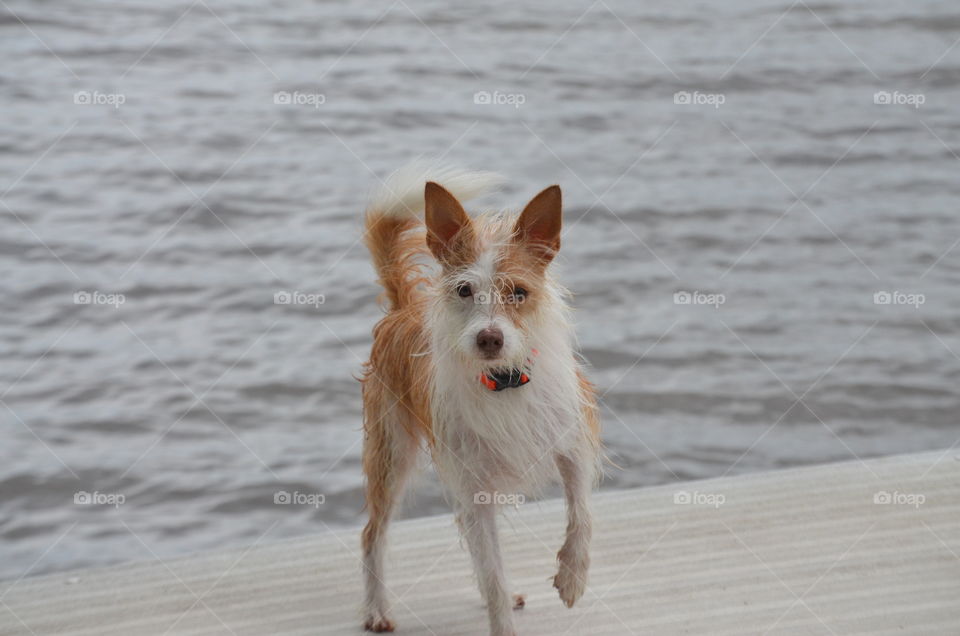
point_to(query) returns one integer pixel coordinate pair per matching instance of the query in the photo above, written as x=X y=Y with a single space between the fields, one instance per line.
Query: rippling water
x=147 y=151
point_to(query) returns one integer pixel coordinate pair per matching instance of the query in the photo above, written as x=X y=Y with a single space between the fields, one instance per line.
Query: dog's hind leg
x=389 y=454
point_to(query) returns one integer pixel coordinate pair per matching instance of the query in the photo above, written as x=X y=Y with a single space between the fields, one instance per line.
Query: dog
x=475 y=361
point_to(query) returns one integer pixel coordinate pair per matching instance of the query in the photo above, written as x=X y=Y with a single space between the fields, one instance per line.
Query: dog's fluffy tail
x=398 y=207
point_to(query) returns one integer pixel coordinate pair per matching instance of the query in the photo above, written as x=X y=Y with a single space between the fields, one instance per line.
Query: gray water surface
x=203 y=194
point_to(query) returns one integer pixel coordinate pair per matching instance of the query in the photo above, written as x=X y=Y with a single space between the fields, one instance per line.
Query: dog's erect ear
x=449 y=230
x=538 y=227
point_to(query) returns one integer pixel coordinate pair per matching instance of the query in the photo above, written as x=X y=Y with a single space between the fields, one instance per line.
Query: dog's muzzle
x=500 y=379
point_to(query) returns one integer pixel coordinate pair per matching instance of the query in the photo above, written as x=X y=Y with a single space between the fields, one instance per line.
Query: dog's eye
x=464 y=290
x=519 y=294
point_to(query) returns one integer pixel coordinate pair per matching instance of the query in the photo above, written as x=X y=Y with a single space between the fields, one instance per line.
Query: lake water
x=785 y=168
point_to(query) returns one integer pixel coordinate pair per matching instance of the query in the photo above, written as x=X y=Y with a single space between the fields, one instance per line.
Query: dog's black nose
x=490 y=341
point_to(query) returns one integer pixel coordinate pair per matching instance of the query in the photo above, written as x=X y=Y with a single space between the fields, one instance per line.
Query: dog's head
x=494 y=284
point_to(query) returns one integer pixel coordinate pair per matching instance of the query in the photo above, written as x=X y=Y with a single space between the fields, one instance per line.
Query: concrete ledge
x=804 y=551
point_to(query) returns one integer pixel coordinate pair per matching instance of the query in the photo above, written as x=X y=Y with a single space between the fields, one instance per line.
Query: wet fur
x=421 y=387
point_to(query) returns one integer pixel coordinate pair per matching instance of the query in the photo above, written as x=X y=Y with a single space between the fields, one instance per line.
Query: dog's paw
x=379 y=623
x=570 y=581
x=519 y=601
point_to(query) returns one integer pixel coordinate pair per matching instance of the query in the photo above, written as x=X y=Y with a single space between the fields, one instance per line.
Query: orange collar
x=500 y=379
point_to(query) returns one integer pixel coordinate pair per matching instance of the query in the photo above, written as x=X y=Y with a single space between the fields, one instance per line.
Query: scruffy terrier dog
x=474 y=360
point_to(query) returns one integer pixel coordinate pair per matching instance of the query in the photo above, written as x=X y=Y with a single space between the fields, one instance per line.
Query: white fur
x=511 y=442
x=402 y=192
x=464 y=318
x=504 y=441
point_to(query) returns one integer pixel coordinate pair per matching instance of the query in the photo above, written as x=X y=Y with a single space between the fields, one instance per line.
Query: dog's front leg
x=479 y=525
x=574 y=556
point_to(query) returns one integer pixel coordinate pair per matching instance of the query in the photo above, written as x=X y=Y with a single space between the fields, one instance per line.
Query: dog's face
x=494 y=274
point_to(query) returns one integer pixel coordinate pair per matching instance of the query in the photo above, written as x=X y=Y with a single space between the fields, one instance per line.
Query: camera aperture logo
x=496 y=98
x=696 y=498
x=98 y=298
x=297 y=98
x=96 y=98
x=896 y=98
x=898 y=298
x=84 y=498
x=884 y=498
x=484 y=498
x=696 y=98
x=284 y=297
x=297 y=498
x=698 y=298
